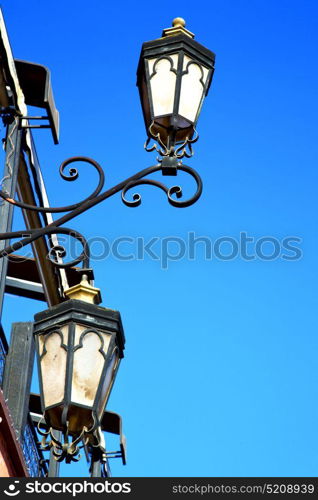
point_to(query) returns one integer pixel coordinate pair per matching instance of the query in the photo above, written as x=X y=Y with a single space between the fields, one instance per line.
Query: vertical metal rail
x=9 y=183
x=99 y=464
x=9 y=180
x=96 y=466
x=47 y=273
x=54 y=281
x=54 y=466
x=3 y=353
x=107 y=471
x=11 y=176
x=17 y=382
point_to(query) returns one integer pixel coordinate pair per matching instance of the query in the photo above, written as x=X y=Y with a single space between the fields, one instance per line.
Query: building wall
x=6 y=469
x=12 y=463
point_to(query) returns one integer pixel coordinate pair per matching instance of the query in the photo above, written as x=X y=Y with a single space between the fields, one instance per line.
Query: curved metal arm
x=73 y=175
x=174 y=190
x=30 y=235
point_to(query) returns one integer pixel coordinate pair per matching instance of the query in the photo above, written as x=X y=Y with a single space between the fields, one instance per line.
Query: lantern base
x=169 y=145
x=76 y=417
x=171 y=129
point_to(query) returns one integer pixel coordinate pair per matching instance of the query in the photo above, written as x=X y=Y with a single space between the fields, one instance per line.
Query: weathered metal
x=31 y=235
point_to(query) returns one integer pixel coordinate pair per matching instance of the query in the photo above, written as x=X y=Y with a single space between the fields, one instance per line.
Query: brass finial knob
x=178 y=28
x=178 y=22
x=84 y=291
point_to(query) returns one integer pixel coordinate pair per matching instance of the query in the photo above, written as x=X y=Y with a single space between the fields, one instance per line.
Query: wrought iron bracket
x=37 y=118
x=168 y=165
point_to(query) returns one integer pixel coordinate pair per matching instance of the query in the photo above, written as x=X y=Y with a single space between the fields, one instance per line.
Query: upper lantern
x=174 y=75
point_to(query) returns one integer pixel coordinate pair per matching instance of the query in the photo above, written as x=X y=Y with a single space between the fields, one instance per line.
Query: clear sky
x=220 y=373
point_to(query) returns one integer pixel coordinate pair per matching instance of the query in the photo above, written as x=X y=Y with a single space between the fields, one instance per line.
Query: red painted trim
x=10 y=447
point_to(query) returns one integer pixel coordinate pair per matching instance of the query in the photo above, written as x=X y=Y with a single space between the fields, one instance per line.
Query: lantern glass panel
x=162 y=74
x=108 y=382
x=53 y=365
x=192 y=89
x=88 y=364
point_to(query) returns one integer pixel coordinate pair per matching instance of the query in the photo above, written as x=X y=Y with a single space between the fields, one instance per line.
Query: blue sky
x=220 y=375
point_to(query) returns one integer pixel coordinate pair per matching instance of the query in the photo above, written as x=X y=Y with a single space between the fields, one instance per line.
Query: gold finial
x=178 y=28
x=178 y=21
x=84 y=291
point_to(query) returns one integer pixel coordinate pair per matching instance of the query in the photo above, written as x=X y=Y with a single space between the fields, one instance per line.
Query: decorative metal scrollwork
x=68 y=449
x=73 y=175
x=174 y=190
x=174 y=196
x=56 y=252
x=178 y=152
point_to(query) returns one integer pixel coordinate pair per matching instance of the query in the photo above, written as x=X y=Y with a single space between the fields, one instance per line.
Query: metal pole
x=99 y=466
x=9 y=183
x=107 y=472
x=54 y=466
x=18 y=374
x=96 y=467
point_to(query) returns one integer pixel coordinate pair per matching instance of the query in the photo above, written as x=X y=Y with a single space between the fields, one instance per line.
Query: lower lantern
x=79 y=347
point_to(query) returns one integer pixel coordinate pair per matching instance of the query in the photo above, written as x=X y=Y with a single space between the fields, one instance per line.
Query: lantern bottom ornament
x=79 y=347
x=68 y=448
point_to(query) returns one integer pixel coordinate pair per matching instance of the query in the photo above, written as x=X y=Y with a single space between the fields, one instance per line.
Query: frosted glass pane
x=163 y=84
x=87 y=365
x=53 y=366
x=107 y=383
x=192 y=88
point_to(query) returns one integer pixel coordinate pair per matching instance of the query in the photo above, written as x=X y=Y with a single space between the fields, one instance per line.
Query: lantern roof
x=168 y=44
x=83 y=313
x=84 y=291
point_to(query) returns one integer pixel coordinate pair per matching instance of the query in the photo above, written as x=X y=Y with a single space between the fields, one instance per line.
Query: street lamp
x=174 y=75
x=79 y=347
x=80 y=344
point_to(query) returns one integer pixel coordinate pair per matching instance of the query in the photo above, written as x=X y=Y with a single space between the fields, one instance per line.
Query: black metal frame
x=3 y=353
x=9 y=183
x=169 y=135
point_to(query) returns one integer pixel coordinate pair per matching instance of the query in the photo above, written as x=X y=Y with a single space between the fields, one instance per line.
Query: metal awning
x=35 y=82
x=23 y=278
